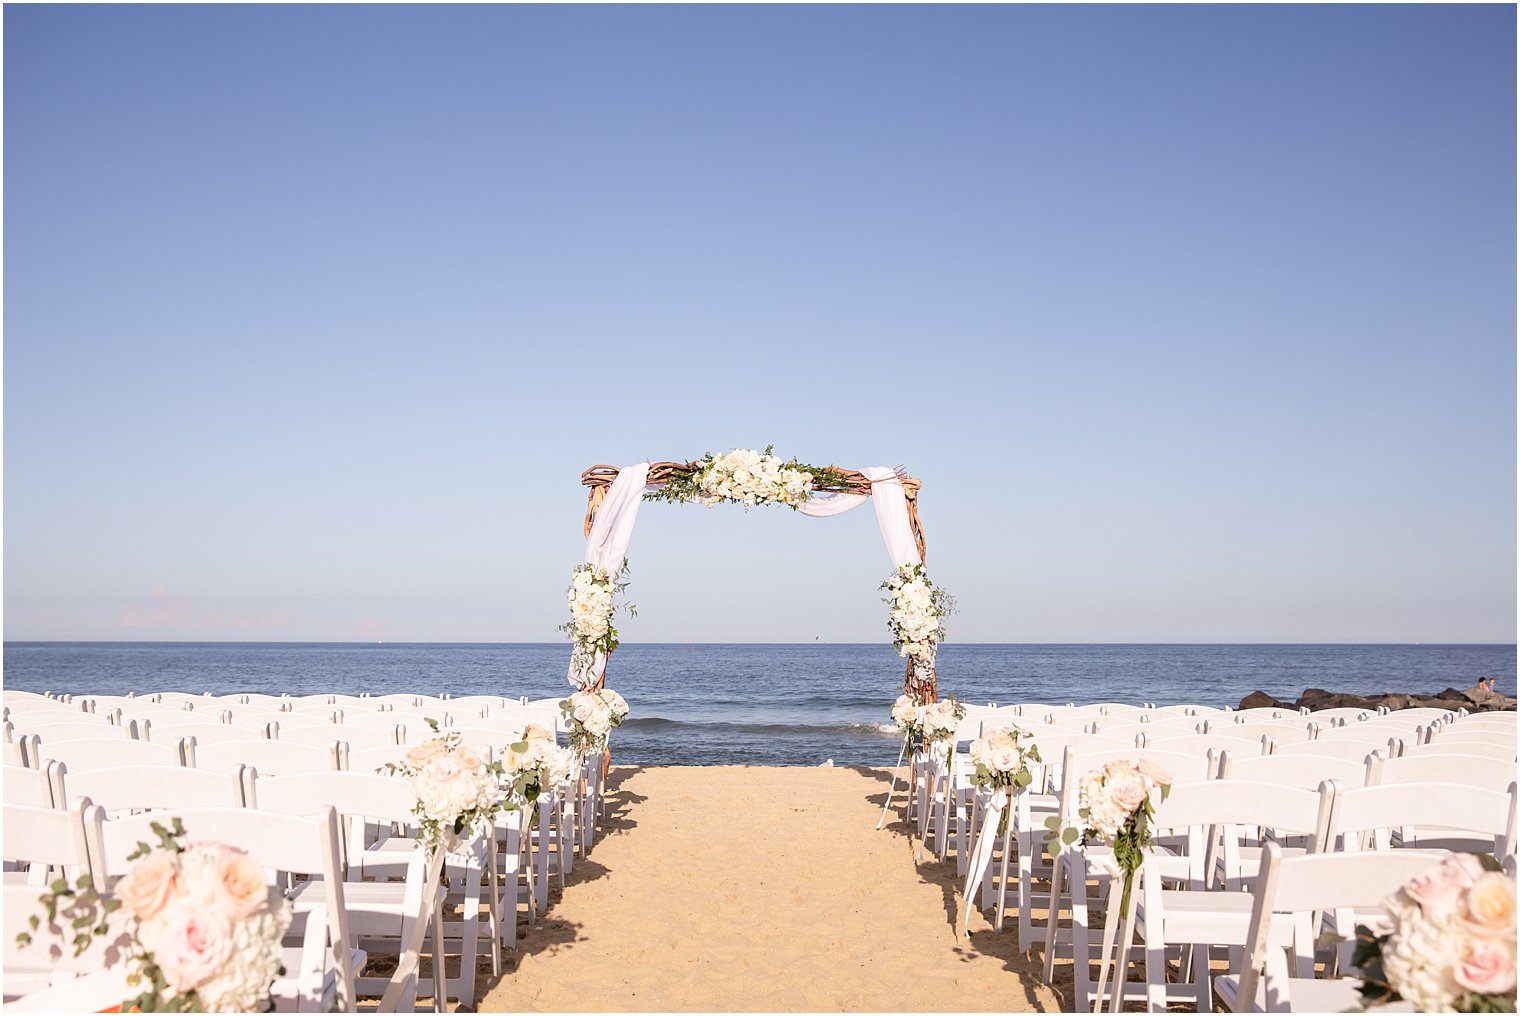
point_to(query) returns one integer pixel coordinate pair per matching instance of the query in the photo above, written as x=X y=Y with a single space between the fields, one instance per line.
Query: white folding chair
x=353 y=736
x=321 y=970
x=1291 y=891
x=1306 y=772
x=382 y=913
x=1211 y=823
x=1073 y=867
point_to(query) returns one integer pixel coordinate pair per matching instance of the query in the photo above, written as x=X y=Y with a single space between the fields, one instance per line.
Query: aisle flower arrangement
x=938 y=721
x=1115 y=805
x=592 y=598
x=1002 y=759
x=915 y=618
x=457 y=791
x=535 y=764
x=905 y=715
x=1452 y=947
x=204 y=926
x=592 y=714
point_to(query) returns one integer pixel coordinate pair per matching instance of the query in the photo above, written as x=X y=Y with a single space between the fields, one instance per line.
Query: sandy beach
x=758 y=889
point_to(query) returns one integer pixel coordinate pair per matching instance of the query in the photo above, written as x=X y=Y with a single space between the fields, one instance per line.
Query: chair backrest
x=1460 y=747
x=1347 y=749
x=154 y=788
x=548 y=717
x=34 y=788
x=1232 y=810
x=1308 y=885
x=1280 y=733
x=34 y=966
x=40 y=840
x=1202 y=744
x=414 y=728
x=350 y=793
x=1305 y=772
x=202 y=731
x=1489 y=773
x=284 y=843
x=1430 y=806
x=85 y=729
x=1450 y=735
x=1262 y=713
x=98 y=753
x=1079 y=762
x=479 y=737
x=325 y=734
x=277 y=758
x=1504 y=722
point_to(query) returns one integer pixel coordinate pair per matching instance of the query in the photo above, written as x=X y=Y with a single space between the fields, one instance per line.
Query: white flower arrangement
x=905 y=715
x=1002 y=761
x=745 y=476
x=1115 y=804
x=592 y=714
x=1452 y=947
x=535 y=765
x=591 y=597
x=457 y=791
x=917 y=609
x=205 y=926
x=938 y=721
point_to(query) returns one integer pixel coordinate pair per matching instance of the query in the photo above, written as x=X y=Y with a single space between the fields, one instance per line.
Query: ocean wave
x=651 y=724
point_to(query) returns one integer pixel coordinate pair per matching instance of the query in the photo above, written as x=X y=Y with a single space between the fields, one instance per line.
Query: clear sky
x=1197 y=323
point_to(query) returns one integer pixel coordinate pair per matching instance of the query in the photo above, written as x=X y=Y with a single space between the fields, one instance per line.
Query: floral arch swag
x=752 y=478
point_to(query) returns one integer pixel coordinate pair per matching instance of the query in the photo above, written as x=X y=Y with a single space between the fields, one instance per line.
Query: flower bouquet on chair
x=592 y=714
x=535 y=765
x=204 y=932
x=457 y=791
x=1452 y=947
x=1116 y=805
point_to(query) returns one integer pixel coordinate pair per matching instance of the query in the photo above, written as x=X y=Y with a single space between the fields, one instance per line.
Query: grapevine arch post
x=918 y=682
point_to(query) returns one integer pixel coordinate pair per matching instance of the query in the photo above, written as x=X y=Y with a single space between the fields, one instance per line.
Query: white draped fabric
x=612 y=529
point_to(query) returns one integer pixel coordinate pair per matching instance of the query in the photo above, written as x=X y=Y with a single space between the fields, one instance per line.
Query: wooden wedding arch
x=832 y=479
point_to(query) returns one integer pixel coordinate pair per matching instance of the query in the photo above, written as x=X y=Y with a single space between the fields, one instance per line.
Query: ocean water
x=707 y=704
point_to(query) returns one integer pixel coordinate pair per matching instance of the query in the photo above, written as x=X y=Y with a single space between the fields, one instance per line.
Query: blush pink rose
x=1005 y=759
x=1439 y=890
x=1490 y=905
x=443 y=769
x=193 y=946
x=468 y=760
x=1152 y=771
x=240 y=885
x=151 y=885
x=1487 y=967
x=426 y=752
x=1128 y=790
x=534 y=732
x=1119 y=767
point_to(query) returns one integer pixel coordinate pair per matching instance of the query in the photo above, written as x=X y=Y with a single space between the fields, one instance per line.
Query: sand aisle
x=750 y=888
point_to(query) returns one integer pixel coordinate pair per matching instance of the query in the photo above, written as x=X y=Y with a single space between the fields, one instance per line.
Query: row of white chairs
x=1467 y=766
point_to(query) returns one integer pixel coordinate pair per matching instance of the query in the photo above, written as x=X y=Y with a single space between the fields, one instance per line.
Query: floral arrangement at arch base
x=205 y=927
x=938 y=720
x=592 y=714
x=457 y=790
x=1115 y=804
x=1452 y=947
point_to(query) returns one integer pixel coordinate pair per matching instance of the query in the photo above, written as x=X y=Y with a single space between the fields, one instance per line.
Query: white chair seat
x=1307 y=995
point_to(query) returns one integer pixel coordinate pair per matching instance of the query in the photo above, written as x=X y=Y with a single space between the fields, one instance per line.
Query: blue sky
x=1198 y=323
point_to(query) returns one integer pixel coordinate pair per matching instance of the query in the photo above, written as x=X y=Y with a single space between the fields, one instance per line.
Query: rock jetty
x=1474 y=700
